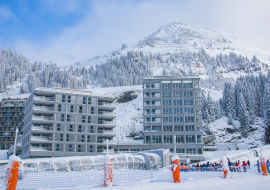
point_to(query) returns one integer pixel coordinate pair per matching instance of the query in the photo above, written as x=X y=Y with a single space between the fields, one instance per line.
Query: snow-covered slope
x=179 y=37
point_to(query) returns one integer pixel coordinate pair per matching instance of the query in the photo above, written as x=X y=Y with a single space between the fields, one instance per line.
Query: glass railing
x=6 y=134
x=47 y=118
x=106 y=113
x=32 y=148
x=43 y=98
x=7 y=124
x=106 y=104
x=104 y=141
x=42 y=128
x=9 y=105
x=106 y=132
x=8 y=114
x=10 y=139
x=106 y=122
x=44 y=108
x=20 y=104
x=40 y=138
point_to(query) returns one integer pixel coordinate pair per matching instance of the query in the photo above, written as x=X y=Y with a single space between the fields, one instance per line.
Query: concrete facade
x=172 y=109
x=66 y=122
x=11 y=116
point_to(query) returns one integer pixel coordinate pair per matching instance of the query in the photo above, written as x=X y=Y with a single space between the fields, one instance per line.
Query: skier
x=244 y=165
x=258 y=166
x=268 y=166
x=248 y=163
x=239 y=166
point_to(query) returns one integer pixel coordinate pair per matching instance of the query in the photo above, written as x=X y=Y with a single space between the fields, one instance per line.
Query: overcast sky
x=75 y=30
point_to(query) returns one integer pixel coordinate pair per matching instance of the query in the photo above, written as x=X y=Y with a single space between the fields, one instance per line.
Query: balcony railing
x=8 y=114
x=43 y=108
x=15 y=119
x=111 y=151
x=43 y=98
x=40 y=138
x=104 y=141
x=106 y=122
x=19 y=124
x=46 y=118
x=7 y=124
x=11 y=139
x=2 y=129
x=106 y=104
x=20 y=104
x=106 y=132
x=106 y=113
x=12 y=129
x=3 y=119
x=40 y=148
x=16 y=109
x=6 y=134
x=41 y=128
x=9 y=105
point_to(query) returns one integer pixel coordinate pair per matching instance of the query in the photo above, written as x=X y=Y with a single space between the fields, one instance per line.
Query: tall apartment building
x=172 y=108
x=11 y=116
x=65 y=122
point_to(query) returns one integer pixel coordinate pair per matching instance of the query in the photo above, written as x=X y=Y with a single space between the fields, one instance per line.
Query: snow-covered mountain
x=179 y=37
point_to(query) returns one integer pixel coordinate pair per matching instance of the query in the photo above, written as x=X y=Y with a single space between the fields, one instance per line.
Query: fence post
x=225 y=167
x=176 y=169
x=108 y=173
x=12 y=175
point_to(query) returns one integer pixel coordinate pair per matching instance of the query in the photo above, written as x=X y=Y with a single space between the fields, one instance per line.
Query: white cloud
x=5 y=12
x=108 y=24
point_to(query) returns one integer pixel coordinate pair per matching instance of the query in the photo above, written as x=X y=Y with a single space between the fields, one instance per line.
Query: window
x=148 y=111
x=188 y=85
x=153 y=102
x=91 y=148
x=69 y=99
x=200 y=151
x=89 y=119
x=167 y=110
x=167 y=128
x=147 y=103
x=91 y=129
x=88 y=138
x=147 y=128
x=147 y=139
x=190 y=138
x=189 y=127
x=177 y=85
x=199 y=138
x=62 y=117
x=57 y=147
x=89 y=101
x=167 y=138
x=167 y=102
x=83 y=138
x=167 y=119
x=70 y=148
x=153 y=85
x=178 y=119
x=67 y=137
x=148 y=120
x=61 y=137
x=166 y=94
x=191 y=151
x=156 y=128
x=80 y=109
x=189 y=119
x=153 y=94
x=71 y=128
x=189 y=110
x=188 y=102
x=71 y=108
x=147 y=94
x=178 y=110
x=153 y=111
x=156 y=139
x=59 y=107
x=188 y=93
x=79 y=148
x=83 y=119
x=177 y=94
x=177 y=102
x=92 y=111
x=79 y=128
x=84 y=100
x=68 y=118
x=166 y=85
x=147 y=86
x=179 y=138
x=63 y=98
x=153 y=119
x=58 y=127
x=180 y=150
x=178 y=128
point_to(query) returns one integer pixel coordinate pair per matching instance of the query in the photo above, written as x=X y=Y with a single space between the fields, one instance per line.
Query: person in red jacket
x=244 y=166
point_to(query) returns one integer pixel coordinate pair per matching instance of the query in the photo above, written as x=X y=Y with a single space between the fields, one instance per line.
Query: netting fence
x=52 y=179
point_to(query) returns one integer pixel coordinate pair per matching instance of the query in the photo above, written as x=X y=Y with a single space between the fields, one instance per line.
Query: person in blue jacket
x=258 y=166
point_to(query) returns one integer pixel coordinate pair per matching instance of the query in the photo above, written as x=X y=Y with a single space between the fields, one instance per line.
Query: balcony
x=44 y=118
x=41 y=138
x=42 y=128
x=33 y=148
x=106 y=132
x=104 y=151
x=7 y=124
x=11 y=139
x=106 y=104
x=8 y=114
x=16 y=109
x=43 y=108
x=3 y=118
x=104 y=141
x=43 y=98
x=106 y=113
x=15 y=119
x=2 y=129
x=21 y=104
x=104 y=122
x=12 y=129
x=6 y=134
x=9 y=105
x=19 y=124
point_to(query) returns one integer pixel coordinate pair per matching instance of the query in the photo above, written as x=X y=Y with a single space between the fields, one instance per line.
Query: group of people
x=238 y=167
x=259 y=166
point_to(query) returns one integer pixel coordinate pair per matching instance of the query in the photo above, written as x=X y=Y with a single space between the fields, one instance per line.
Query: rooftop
x=174 y=77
